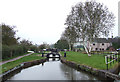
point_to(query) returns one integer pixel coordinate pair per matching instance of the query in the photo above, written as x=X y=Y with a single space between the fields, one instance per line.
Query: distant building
x=78 y=44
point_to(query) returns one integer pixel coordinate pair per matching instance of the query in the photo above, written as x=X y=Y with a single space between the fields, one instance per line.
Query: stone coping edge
x=17 y=69
x=104 y=74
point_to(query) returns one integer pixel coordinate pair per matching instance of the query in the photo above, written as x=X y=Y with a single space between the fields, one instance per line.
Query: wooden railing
x=109 y=59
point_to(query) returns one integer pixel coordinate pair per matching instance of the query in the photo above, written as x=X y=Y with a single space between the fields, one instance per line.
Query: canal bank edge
x=17 y=69
x=101 y=73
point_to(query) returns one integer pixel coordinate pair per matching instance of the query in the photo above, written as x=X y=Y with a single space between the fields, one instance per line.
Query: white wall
x=100 y=46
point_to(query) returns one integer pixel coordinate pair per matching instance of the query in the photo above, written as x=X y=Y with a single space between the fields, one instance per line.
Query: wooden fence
x=109 y=59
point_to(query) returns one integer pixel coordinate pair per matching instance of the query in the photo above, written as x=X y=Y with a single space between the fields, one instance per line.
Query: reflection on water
x=72 y=74
x=53 y=56
x=53 y=59
x=53 y=69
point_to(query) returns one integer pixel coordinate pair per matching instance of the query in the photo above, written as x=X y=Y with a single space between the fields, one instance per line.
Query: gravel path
x=14 y=59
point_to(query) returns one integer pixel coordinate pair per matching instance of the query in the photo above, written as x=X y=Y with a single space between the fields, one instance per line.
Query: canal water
x=53 y=69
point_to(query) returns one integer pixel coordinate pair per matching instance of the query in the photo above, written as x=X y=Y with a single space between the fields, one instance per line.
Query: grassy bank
x=10 y=65
x=14 y=57
x=95 y=61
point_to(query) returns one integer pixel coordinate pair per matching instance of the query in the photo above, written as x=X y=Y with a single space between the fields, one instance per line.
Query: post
x=110 y=60
x=107 y=62
x=64 y=54
x=116 y=57
x=113 y=59
x=119 y=56
x=42 y=64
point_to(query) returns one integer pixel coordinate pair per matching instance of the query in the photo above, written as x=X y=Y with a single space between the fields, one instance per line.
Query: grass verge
x=10 y=65
x=13 y=57
x=95 y=61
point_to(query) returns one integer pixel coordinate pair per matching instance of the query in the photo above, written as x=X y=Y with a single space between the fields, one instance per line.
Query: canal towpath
x=3 y=62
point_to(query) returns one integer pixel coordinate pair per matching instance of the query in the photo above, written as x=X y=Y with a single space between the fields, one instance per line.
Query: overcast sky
x=43 y=20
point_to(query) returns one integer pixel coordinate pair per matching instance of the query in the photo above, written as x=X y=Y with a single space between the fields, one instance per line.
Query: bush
x=14 y=50
x=34 y=48
x=5 y=51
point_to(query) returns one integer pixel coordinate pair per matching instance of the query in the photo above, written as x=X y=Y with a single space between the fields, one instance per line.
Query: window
x=96 y=48
x=93 y=44
x=100 y=49
x=103 y=49
x=102 y=43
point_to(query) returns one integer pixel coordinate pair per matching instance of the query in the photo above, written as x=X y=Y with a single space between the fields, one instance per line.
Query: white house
x=98 y=44
x=101 y=44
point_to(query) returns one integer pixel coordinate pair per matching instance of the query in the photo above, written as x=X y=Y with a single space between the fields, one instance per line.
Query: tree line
x=11 y=46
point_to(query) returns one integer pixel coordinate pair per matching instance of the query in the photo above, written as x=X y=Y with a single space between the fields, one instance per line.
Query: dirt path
x=14 y=59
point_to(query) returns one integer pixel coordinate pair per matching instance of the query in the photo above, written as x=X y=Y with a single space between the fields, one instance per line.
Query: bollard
x=117 y=57
x=42 y=54
x=64 y=54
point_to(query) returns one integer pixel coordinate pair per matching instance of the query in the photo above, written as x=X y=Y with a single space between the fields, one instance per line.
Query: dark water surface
x=52 y=70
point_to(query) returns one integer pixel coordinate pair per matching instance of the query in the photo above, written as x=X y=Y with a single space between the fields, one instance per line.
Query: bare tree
x=90 y=20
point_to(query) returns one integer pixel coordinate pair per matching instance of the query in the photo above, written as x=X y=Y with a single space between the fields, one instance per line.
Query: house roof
x=104 y=40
